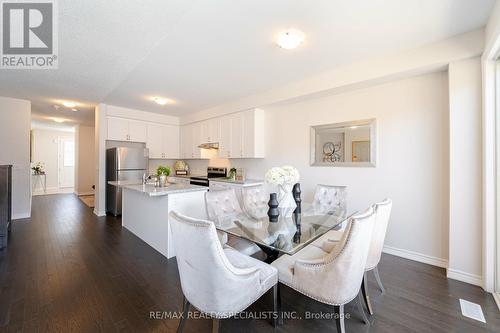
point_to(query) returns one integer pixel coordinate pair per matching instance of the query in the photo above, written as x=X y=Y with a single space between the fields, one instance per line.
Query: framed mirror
x=349 y=144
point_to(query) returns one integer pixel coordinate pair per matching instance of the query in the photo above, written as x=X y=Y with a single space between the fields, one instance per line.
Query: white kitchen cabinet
x=186 y=141
x=209 y=130
x=196 y=132
x=253 y=127
x=117 y=129
x=225 y=137
x=121 y=129
x=236 y=144
x=163 y=141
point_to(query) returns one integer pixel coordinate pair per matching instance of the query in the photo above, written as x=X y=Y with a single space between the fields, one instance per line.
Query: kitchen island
x=145 y=210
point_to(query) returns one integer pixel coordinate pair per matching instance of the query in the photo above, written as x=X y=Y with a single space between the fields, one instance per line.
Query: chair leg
x=278 y=317
x=339 y=318
x=361 y=310
x=377 y=277
x=364 y=290
x=185 y=309
x=215 y=325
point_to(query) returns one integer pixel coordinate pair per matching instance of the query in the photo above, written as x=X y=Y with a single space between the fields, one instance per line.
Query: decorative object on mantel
x=296 y=196
x=284 y=177
x=273 y=211
x=163 y=172
x=38 y=168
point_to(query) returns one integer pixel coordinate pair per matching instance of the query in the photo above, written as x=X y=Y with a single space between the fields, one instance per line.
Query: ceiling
x=205 y=53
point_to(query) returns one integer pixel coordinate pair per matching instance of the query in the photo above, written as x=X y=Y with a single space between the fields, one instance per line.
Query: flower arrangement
x=285 y=175
x=38 y=168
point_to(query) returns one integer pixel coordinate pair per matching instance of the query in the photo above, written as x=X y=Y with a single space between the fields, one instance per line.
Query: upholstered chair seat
x=218 y=281
x=221 y=206
x=332 y=278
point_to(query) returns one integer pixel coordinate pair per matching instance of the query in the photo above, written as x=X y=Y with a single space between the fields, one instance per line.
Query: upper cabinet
x=240 y=135
x=121 y=129
x=163 y=141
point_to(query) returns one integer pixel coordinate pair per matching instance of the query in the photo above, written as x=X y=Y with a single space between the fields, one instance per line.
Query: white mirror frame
x=373 y=144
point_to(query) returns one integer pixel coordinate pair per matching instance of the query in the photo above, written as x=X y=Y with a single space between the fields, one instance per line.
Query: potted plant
x=163 y=172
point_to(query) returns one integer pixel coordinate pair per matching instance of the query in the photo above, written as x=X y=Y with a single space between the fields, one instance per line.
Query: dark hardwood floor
x=66 y=270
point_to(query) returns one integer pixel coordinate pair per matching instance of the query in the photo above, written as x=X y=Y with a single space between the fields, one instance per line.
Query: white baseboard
x=458 y=275
x=496 y=296
x=21 y=216
x=415 y=256
x=99 y=213
x=53 y=190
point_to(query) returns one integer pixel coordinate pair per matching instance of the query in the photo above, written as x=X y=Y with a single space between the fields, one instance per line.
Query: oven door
x=199 y=182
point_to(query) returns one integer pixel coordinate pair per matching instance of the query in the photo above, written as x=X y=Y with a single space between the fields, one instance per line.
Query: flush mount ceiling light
x=58 y=120
x=290 y=39
x=74 y=110
x=161 y=100
x=69 y=104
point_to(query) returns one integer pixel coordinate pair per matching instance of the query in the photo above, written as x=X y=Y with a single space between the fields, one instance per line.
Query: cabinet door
x=204 y=131
x=236 y=145
x=137 y=131
x=186 y=141
x=196 y=132
x=117 y=129
x=155 y=142
x=225 y=137
x=170 y=140
x=213 y=130
x=248 y=144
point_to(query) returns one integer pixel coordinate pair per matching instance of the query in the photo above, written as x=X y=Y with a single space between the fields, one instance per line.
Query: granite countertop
x=246 y=182
x=152 y=191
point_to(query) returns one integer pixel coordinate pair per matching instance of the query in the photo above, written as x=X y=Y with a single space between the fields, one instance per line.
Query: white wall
x=46 y=150
x=465 y=170
x=15 y=122
x=412 y=163
x=85 y=160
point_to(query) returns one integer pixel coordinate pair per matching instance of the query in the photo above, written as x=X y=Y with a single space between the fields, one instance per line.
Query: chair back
x=209 y=281
x=330 y=199
x=221 y=204
x=382 y=215
x=255 y=199
x=336 y=278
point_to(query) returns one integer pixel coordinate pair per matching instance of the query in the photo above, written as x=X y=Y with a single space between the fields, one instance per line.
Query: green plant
x=163 y=170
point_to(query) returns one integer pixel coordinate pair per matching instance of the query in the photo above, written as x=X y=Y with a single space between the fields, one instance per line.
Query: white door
x=137 y=131
x=117 y=129
x=236 y=149
x=155 y=141
x=225 y=137
x=66 y=162
x=171 y=141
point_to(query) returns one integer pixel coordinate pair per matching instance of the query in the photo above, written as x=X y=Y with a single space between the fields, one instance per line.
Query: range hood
x=209 y=145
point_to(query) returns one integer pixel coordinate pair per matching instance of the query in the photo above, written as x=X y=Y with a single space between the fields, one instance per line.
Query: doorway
x=66 y=164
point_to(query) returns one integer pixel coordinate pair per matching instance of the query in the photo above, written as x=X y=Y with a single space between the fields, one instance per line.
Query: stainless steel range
x=212 y=172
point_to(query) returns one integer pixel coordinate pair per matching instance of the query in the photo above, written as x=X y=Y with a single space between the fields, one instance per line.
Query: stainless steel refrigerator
x=123 y=164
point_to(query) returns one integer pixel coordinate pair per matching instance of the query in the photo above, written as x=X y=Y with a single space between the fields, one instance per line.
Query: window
x=69 y=154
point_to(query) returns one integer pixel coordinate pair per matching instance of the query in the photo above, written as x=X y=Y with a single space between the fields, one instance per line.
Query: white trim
x=21 y=216
x=496 y=297
x=415 y=256
x=458 y=275
x=53 y=190
x=99 y=213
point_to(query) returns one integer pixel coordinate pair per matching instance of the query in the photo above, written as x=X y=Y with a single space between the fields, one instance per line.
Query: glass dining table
x=289 y=234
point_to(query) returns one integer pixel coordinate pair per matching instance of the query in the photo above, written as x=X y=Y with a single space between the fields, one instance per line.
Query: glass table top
x=290 y=233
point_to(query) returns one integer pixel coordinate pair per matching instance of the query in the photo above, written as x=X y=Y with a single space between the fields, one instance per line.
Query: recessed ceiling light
x=69 y=104
x=354 y=127
x=58 y=120
x=161 y=100
x=74 y=110
x=290 y=39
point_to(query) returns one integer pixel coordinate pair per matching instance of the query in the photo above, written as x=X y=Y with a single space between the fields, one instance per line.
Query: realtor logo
x=29 y=34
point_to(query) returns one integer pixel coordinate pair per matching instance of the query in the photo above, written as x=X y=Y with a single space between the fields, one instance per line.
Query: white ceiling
x=206 y=53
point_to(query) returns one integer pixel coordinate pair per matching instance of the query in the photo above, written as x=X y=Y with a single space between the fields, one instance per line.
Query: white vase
x=163 y=180
x=286 y=201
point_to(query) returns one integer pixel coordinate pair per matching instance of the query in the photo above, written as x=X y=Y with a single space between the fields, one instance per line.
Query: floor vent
x=472 y=310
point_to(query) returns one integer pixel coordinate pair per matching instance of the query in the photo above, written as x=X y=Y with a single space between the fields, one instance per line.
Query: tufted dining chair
x=382 y=215
x=330 y=199
x=218 y=281
x=255 y=200
x=222 y=205
x=332 y=278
